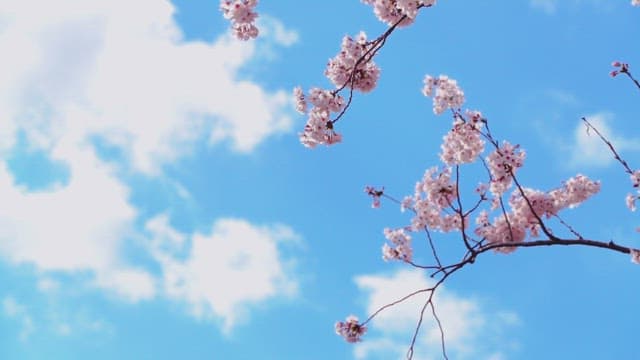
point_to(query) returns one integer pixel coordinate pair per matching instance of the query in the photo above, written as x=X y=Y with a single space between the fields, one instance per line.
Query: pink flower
x=350 y=330
x=407 y=203
x=353 y=67
x=433 y=197
x=481 y=189
x=242 y=17
x=447 y=93
x=624 y=67
x=375 y=195
x=575 y=191
x=300 y=101
x=463 y=143
x=635 y=178
x=402 y=246
x=391 y=11
x=501 y=231
x=319 y=127
x=635 y=256
x=631 y=201
x=502 y=163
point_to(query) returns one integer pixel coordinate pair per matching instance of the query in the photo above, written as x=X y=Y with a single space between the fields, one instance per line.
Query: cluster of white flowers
x=350 y=329
x=242 y=16
x=447 y=93
x=353 y=67
x=402 y=245
x=463 y=144
x=391 y=11
x=528 y=209
x=319 y=127
x=502 y=163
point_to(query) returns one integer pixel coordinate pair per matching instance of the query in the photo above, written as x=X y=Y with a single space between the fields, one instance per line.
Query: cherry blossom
x=300 y=100
x=350 y=329
x=575 y=191
x=635 y=2
x=391 y=11
x=447 y=93
x=631 y=201
x=623 y=68
x=242 y=16
x=432 y=195
x=505 y=229
x=635 y=178
x=463 y=143
x=375 y=194
x=529 y=209
x=319 y=127
x=503 y=162
x=355 y=54
x=402 y=245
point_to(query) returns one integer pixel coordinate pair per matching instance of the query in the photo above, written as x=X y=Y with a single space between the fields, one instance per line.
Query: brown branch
x=377 y=44
x=609 y=144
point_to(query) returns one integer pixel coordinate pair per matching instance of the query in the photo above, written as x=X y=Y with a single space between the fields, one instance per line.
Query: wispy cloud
x=15 y=310
x=588 y=150
x=224 y=271
x=121 y=72
x=470 y=331
x=547 y=6
x=550 y=7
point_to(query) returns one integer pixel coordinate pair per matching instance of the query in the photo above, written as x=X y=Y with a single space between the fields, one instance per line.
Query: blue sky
x=157 y=203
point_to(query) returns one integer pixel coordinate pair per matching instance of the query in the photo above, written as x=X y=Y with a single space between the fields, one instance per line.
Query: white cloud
x=470 y=331
x=14 y=310
x=130 y=284
x=551 y=6
x=548 y=6
x=74 y=227
x=81 y=225
x=236 y=265
x=119 y=70
x=67 y=321
x=48 y=285
x=271 y=27
x=587 y=149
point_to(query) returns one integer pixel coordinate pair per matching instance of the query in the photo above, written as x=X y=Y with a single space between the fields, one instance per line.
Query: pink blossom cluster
x=350 y=329
x=242 y=16
x=375 y=195
x=402 y=245
x=631 y=198
x=319 y=127
x=447 y=93
x=526 y=212
x=575 y=191
x=620 y=67
x=502 y=163
x=432 y=196
x=300 y=100
x=522 y=216
x=502 y=231
x=463 y=144
x=353 y=66
x=635 y=2
x=391 y=11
